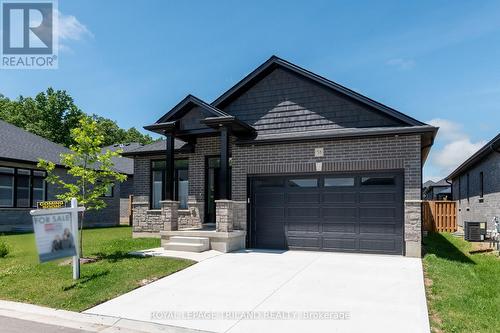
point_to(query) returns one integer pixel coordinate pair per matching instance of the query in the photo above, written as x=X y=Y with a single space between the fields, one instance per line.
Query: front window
x=6 y=187
x=21 y=188
x=181 y=182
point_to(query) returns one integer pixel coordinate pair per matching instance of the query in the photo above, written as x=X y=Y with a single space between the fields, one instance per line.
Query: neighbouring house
x=476 y=185
x=440 y=190
x=126 y=166
x=285 y=159
x=22 y=183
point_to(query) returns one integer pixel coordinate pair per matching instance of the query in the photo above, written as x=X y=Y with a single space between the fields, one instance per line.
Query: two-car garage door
x=361 y=212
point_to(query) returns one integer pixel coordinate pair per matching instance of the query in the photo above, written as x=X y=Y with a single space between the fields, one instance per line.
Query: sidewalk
x=81 y=321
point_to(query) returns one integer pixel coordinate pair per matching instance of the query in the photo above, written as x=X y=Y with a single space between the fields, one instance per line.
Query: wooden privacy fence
x=439 y=216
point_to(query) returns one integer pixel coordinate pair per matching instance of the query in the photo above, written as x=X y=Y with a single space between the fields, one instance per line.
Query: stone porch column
x=139 y=215
x=170 y=214
x=196 y=209
x=224 y=215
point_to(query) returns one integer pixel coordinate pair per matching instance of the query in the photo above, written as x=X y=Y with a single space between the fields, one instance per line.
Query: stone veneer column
x=413 y=228
x=139 y=216
x=224 y=215
x=170 y=215
x=196 y=210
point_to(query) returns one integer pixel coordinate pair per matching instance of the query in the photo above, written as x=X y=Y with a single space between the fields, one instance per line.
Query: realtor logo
x=28 y=38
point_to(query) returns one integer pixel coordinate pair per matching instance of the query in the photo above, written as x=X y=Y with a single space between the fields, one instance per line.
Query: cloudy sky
x=131 y=61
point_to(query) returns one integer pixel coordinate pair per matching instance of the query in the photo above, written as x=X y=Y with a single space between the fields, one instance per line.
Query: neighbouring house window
x=6 y=187
x=39 y=187
x=21 y=188
x=109 y=191
x=181 y=182
x=481 y=185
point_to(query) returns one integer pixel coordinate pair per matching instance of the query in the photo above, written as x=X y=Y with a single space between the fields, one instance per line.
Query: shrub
x=4 y=249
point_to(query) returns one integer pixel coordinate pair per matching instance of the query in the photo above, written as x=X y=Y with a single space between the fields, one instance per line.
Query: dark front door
x=212 y=188
x=212 y=176
x=357 y=212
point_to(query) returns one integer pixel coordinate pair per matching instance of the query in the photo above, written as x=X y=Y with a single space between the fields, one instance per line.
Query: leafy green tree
x=53 y=114
x=133 y=135
x=92 y=171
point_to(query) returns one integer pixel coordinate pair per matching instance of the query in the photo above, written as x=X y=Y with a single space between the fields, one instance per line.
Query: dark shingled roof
x=493 y=145
x=155 y=147
x=430 y=183
x=124 y=164
x=17 y=144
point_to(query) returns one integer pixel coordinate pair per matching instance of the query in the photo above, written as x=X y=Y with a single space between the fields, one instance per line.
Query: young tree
x=91 y=171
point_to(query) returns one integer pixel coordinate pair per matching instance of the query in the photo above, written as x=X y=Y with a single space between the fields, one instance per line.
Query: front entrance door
x=212 y=193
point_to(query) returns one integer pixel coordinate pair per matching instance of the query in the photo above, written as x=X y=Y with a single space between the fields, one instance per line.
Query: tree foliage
x=91 y=170
x=52 y=114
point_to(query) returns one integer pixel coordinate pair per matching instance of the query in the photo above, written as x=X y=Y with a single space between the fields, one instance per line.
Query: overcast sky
x=437 y=61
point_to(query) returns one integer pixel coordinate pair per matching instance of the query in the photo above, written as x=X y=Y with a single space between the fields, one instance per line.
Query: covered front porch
x=190 y=184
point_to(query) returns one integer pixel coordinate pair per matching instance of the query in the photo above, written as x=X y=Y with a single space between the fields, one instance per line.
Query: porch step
x=190 y=240
x=189 y=244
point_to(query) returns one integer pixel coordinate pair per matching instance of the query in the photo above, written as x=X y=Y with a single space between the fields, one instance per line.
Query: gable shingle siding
x=286 y=102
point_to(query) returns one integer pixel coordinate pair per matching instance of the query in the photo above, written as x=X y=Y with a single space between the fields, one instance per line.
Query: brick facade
x=473 y=208
x=367 y=154
x=19 y=219
x=284 y=102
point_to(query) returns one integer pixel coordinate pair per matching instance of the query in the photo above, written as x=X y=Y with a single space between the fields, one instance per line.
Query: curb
x=84 y=321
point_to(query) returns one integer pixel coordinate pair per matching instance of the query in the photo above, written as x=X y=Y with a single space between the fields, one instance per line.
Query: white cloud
x=70 y=29
x=401 y=63
x=452 y=147
x=448 y=130
x=455 y=152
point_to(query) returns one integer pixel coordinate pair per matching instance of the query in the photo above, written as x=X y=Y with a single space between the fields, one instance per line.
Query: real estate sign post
x=56 y=234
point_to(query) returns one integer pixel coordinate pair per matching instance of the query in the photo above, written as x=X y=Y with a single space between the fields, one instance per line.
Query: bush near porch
x=463 y=289
x=115 y=272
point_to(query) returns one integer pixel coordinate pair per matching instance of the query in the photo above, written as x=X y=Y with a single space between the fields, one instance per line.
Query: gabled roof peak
x=188 y=101
x=275 y=61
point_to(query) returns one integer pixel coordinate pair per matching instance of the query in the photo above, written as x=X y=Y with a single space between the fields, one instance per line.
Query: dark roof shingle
x=20 y=145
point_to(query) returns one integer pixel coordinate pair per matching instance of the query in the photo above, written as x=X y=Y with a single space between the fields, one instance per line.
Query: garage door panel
x=273 y=199
x=339 y=212
x=340 y=244
x=377 y=197
x=302 y=198
x=304 y=242
x=377 y=245
x=331 y=212
x=270 y=214
x=339 y=197
x=303 y=226
x=377 y=212
x=342 y=227
x=304 y=212
x=387 y=229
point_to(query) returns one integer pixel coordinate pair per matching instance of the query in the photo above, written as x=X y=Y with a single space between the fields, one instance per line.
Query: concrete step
x=188 y=247
x=190 y=240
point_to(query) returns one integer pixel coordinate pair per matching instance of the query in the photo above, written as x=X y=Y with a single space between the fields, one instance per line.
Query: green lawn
x=463 y=290
x=23 y=279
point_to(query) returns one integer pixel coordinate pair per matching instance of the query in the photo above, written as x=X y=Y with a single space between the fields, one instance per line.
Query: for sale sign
x=54 y=236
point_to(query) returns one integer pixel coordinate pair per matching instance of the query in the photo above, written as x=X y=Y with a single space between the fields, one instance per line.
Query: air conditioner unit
x=475 y=231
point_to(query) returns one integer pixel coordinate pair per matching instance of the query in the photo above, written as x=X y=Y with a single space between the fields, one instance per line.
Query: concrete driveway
x=373 y=293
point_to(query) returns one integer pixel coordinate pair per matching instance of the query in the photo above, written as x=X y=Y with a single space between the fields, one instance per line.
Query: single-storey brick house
x=476 y=185
x=285 y=159
x=22 y=183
